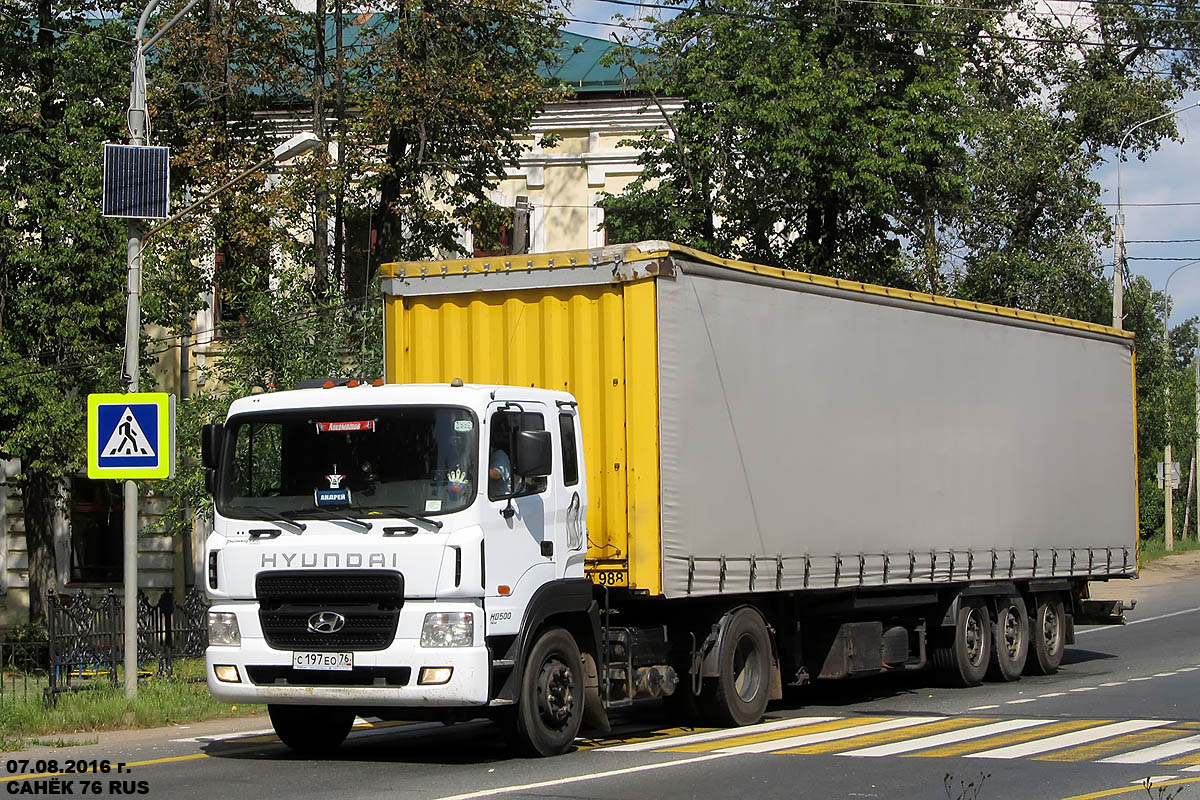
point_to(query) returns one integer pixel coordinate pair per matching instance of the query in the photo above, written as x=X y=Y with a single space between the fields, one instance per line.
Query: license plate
x=323 y=661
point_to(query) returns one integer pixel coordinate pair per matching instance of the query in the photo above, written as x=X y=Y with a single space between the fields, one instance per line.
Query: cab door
x=521 y=547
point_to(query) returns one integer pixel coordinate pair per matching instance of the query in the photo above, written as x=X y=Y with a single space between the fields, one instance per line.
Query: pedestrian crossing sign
x=131 y=436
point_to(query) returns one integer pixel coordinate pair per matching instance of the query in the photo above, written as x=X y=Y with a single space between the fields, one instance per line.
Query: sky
x=1169 y=175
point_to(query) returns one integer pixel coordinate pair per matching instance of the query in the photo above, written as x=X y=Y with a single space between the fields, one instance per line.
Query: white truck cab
x=384 y=541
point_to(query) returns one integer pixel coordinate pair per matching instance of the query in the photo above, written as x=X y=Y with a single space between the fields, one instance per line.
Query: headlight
x=223 y=629
x=448 y=629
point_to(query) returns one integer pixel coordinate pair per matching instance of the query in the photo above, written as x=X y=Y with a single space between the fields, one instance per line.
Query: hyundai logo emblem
x=326 y=622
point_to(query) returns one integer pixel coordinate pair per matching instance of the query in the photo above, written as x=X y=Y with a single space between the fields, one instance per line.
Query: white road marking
x=1138 y=621
x=983 y=708
x=580 y=778
x=1085 y=689
x=1113 y=683
x=1071 y=739
x=225 y=737
x=1189 y=744
x=1023 y=700
x=1188 y=669
x=1192 y=769
x=949 y=737
x=1052 y=694
x=1146 y=678
x=829 y=736
x=1163 y=674
x=725 y=733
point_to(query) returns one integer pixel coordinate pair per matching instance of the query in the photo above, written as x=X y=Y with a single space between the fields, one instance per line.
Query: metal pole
x=1196 y=361
x=1168 y=471
x=133 y=328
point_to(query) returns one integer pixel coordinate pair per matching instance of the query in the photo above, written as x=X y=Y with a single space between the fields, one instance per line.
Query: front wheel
x=311 y=730
x=739 y=694
x=550 y=709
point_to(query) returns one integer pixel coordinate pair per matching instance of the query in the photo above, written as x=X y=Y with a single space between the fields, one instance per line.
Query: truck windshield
x=362 y=461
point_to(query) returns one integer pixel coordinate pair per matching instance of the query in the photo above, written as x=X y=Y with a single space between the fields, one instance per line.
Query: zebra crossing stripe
x=1146 y=755
x=950 y=737
x=708 y=736
x=756 y=738
x=829 y=736
x=1070 y=739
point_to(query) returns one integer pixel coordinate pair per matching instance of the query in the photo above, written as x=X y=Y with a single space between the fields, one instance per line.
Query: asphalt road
x=1122 y=709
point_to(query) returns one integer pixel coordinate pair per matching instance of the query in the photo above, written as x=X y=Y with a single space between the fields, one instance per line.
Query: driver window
x=501 y=480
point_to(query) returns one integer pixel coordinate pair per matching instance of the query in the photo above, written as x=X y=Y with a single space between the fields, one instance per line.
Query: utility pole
x=1196 y=362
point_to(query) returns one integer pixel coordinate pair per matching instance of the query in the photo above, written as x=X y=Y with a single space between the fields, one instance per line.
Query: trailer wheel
x=1010 y=640
x=1047 y=635
x=311 y=730
x=739 y=694
x=961 y=659
x=550 y=709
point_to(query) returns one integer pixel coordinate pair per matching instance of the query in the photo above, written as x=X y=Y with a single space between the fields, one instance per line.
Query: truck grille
x=369 y=600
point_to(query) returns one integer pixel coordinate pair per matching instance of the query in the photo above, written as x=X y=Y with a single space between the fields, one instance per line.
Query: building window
x=97 y=520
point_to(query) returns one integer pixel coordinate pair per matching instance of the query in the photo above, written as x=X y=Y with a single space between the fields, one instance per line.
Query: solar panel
x=137 y=181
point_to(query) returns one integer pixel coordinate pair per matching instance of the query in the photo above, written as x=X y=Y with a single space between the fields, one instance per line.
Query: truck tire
x=1010 y=640
x=550 y=709
x=1047 y=635
x=738 y=695
x=311 y=730
x=962 y=656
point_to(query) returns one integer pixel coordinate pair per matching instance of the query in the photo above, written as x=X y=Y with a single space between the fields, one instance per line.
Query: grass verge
x=160 y=701
x=1155 y=547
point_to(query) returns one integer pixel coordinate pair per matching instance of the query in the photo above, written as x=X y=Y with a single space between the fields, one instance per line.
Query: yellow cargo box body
x=555 y=321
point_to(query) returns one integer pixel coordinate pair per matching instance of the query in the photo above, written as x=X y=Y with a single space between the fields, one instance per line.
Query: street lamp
x=1168 y=473
x=1119 y=249
x=136 y=119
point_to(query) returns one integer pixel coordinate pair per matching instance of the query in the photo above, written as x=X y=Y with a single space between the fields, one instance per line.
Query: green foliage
x=446 y=88
x=62 y=266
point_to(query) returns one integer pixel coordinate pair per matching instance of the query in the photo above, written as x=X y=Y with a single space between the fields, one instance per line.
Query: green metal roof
x=580 y=66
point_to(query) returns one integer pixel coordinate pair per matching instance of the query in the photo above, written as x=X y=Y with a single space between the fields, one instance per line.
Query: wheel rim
x=747 y=674
x=973 y=637
x=1050 y=629
x=1012 y=631
x=555 y=693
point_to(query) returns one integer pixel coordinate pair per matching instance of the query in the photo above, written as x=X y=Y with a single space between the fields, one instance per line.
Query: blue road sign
x=130 y=435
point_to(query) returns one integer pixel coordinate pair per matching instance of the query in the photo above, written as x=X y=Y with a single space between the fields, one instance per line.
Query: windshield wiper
x=366 y=526
x=267 y=515
x=406 y=513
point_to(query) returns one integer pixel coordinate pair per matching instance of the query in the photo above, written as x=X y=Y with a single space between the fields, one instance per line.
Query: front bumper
x=379 y=678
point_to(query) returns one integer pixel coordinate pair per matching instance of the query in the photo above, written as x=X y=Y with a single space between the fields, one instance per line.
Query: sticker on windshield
x=349 y=425
x=433 y=505
x=463 y=426
x=332 y=497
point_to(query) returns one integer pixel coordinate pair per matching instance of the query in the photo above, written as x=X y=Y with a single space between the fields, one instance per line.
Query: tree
x=915 y=144
x=63 y=92
x=444 y=90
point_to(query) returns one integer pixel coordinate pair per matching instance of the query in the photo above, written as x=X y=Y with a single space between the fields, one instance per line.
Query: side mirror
x=210 y=481
x=210 y=444
x=532 y=458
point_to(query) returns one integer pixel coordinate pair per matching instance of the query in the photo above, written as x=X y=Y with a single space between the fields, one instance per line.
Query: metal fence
x=24 y=668
x=86 y=642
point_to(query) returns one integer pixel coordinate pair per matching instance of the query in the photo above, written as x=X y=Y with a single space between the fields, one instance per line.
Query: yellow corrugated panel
x=641 y=415
x=576 y=339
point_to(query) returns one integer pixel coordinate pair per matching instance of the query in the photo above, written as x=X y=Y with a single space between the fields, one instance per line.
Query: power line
x=1159 y=241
